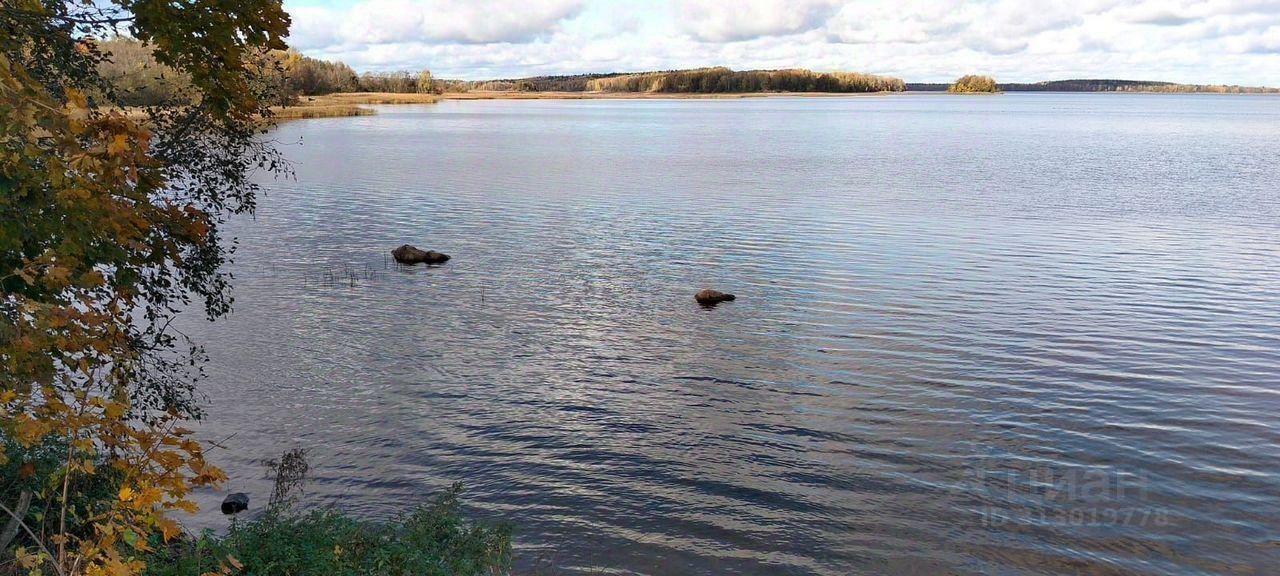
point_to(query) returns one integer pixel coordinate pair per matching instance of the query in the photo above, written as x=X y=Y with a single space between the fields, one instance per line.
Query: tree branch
x=100 y=21
x=26 y=529
x=11 y=529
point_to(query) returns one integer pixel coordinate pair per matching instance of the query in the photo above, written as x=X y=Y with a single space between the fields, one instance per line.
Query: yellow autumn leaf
x=150 y=496
x=76 y=98
x=114 y=410
x=57 y=275
x=168 y=528
x=119 y=145
x=25 y=559
x=115 y=567
x=28 y=430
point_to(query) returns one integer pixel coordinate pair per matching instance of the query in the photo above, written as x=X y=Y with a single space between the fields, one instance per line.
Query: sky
x=1205 y=41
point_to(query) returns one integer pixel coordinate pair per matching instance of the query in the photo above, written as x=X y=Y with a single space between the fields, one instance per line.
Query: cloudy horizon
x=1209 y=42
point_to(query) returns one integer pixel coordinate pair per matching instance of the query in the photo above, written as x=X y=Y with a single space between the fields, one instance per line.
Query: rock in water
x=413 y=255
x=238 y=502
x=712 y=297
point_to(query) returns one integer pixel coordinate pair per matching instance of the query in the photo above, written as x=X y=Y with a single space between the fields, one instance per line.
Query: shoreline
x=353 y=103
x=347 y=104
x=512 y=95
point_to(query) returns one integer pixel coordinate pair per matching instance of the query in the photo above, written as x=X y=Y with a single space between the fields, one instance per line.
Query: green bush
x=37 y=472
x=432 y=541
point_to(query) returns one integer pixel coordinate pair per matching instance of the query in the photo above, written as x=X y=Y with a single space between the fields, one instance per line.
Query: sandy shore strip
x=353 y=103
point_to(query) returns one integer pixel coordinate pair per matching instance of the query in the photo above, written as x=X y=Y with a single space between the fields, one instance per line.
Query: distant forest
x=572 y=83
x=142 y=81
x=701 y=80
x=723 y=80
x=1102 y=85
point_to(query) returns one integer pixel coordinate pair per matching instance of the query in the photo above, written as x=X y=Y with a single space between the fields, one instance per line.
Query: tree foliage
x=724 y=80
x=570 y=83
x=1106 y=85
x=141 y=81
x=973 y=83
x=109 y=224
x=129 y=67
x=303 y=75
x=398 y=82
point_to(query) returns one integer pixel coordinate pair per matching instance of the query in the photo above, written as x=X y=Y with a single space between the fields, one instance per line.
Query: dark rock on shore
x=413 y=255
x=238 y=502
x=712 y=297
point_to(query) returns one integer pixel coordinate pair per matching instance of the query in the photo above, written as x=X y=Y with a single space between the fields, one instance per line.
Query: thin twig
x=219 y=443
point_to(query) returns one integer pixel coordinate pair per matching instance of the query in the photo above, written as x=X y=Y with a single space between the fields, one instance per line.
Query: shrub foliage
x=973 y=83
x=433 y=540
x=109 y=223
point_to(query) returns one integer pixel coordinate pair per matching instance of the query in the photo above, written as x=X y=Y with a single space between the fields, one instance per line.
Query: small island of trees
x=973 y=84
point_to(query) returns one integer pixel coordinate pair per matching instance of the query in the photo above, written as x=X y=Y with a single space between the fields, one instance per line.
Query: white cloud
x=997 y=27
x=1266 y=42
x=376 y=22
x=1210 y=41
x=911 y=22
x=721 y=21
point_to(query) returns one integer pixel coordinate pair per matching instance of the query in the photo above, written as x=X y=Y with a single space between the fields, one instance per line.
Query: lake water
x=1025 y=334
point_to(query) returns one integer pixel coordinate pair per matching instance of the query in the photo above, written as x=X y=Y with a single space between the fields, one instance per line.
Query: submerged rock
x=413 y=255
x=238 y=502
x=712 y=297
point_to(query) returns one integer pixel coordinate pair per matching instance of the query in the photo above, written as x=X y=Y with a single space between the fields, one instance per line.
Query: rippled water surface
x=1026 y=334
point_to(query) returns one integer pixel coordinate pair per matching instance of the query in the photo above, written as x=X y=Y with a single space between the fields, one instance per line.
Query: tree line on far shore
x=970 y=84
x=141 y=81
x=723 y=80
x=1105 y=85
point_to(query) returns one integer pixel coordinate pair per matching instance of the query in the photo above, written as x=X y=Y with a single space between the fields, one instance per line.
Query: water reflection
x=1033 y=334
